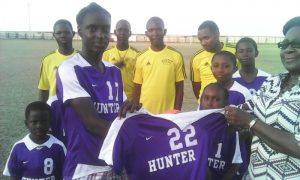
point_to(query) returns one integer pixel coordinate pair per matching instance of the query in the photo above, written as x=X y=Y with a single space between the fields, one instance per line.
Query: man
x=201 y=74
x=123 y=55
x=63 y=34
x=159 y=73
x=92 y=93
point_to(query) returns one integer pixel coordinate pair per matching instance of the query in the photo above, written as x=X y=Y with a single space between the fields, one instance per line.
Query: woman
x=275 y=117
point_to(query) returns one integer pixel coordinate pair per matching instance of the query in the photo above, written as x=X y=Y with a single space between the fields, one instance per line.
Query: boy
x=209 y=37
x=63 y=34
x=159 y=74
x=224 y=145
x=248 y=76
x=123 y=55
x=38 y=155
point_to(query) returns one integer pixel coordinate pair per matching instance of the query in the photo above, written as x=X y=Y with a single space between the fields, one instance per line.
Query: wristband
x=252 y=122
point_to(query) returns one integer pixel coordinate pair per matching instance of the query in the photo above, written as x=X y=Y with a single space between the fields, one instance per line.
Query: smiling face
x=95 y=32
x=290 y=53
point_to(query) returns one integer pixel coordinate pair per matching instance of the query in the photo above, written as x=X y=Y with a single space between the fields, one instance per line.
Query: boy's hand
x=129 y=106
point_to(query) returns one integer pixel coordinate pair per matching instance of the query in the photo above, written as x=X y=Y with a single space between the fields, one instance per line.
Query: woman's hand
x=237 y=117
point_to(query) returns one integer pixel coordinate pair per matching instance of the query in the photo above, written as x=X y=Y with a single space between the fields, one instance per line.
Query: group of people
x=88 y=89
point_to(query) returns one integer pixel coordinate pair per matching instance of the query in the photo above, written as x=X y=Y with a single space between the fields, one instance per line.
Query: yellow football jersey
x=113 y=55
x=158 y=72
x=49 y=66
x=200 y=67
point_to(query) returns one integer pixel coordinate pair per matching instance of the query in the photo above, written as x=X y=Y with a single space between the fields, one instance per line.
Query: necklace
x=122 y=58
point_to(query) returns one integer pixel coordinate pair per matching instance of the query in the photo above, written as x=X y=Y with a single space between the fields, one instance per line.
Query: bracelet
x=252 y=122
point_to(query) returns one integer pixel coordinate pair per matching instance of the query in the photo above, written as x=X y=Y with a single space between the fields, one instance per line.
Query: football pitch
x=19 y=72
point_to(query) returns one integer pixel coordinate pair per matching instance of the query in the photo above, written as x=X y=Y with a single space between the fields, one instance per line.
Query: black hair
x=247 y=40
x=291 y=23
x=229 y=55
x=123 y=20
x=221 y=88
x=92 y=7
x=62 y=21
x=211 y=25
x=155 y=19
x=37 y=105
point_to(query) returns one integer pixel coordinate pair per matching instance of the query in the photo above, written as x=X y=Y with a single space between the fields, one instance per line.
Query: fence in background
x=137 y=37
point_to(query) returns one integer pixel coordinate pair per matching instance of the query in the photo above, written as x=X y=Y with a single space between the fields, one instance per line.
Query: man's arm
x=85 y=109
x=43 y=95
x=196 y=88
x=178 y=95
x=136 y=94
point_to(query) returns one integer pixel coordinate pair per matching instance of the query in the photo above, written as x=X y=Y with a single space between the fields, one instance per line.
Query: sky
x=181 y=17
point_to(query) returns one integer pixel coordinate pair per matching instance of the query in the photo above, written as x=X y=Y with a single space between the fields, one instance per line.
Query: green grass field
x=19 y=72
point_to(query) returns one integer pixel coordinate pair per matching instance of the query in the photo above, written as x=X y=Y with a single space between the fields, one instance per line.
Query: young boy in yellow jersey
x=200 y=67
x=159 y=72
x=63 y=34
x=123 y=55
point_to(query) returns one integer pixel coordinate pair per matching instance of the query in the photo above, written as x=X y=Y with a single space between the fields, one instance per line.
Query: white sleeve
x=237 y=158
x=71 y=87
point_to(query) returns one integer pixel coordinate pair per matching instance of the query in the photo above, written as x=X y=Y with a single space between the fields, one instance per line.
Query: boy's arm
x=178 y=95
x=196 y=88
x=43 y=95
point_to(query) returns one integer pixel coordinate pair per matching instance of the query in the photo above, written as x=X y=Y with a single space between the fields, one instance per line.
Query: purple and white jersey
x=224 y=148
x=254 y=85
x=32 y=161
x=76 y=78
x=238 y=94
x=56 y=127
x=165 y=146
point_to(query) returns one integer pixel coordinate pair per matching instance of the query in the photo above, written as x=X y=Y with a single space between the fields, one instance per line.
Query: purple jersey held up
x=31 y=161
x=166 y=146
x=254 y=85
x=76 y=78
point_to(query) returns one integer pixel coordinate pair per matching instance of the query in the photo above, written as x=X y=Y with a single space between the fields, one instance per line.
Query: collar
x=32 y=145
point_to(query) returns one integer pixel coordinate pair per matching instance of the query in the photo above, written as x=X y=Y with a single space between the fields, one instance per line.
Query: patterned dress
x=279 y=111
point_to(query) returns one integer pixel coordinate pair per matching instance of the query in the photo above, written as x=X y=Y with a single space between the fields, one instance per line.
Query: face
x=95 y=32
x=156 y=32
x=212 y=98
x=63 y=34
x=38 y=124
x=123 y=31
x=222 y=68
x=246 y=53
x=290 y=51
x=208 y=39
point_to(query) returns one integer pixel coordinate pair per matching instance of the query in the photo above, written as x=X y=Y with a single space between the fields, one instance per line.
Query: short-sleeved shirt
x=29 y=160
x=238 y=94
x=280 y=112
x=76 y=78
x=255 y=84
x=128 y=56
x=165 y=146
x=158 y=72
x=49 y=67
x=200 y=67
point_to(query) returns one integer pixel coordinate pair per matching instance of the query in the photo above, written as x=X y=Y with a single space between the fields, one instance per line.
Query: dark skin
x=156 y=32
x=210 y=42
x=246 y=54
x=279 y=140
x=63 y=34
x=123 y=32
x=214 y=98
